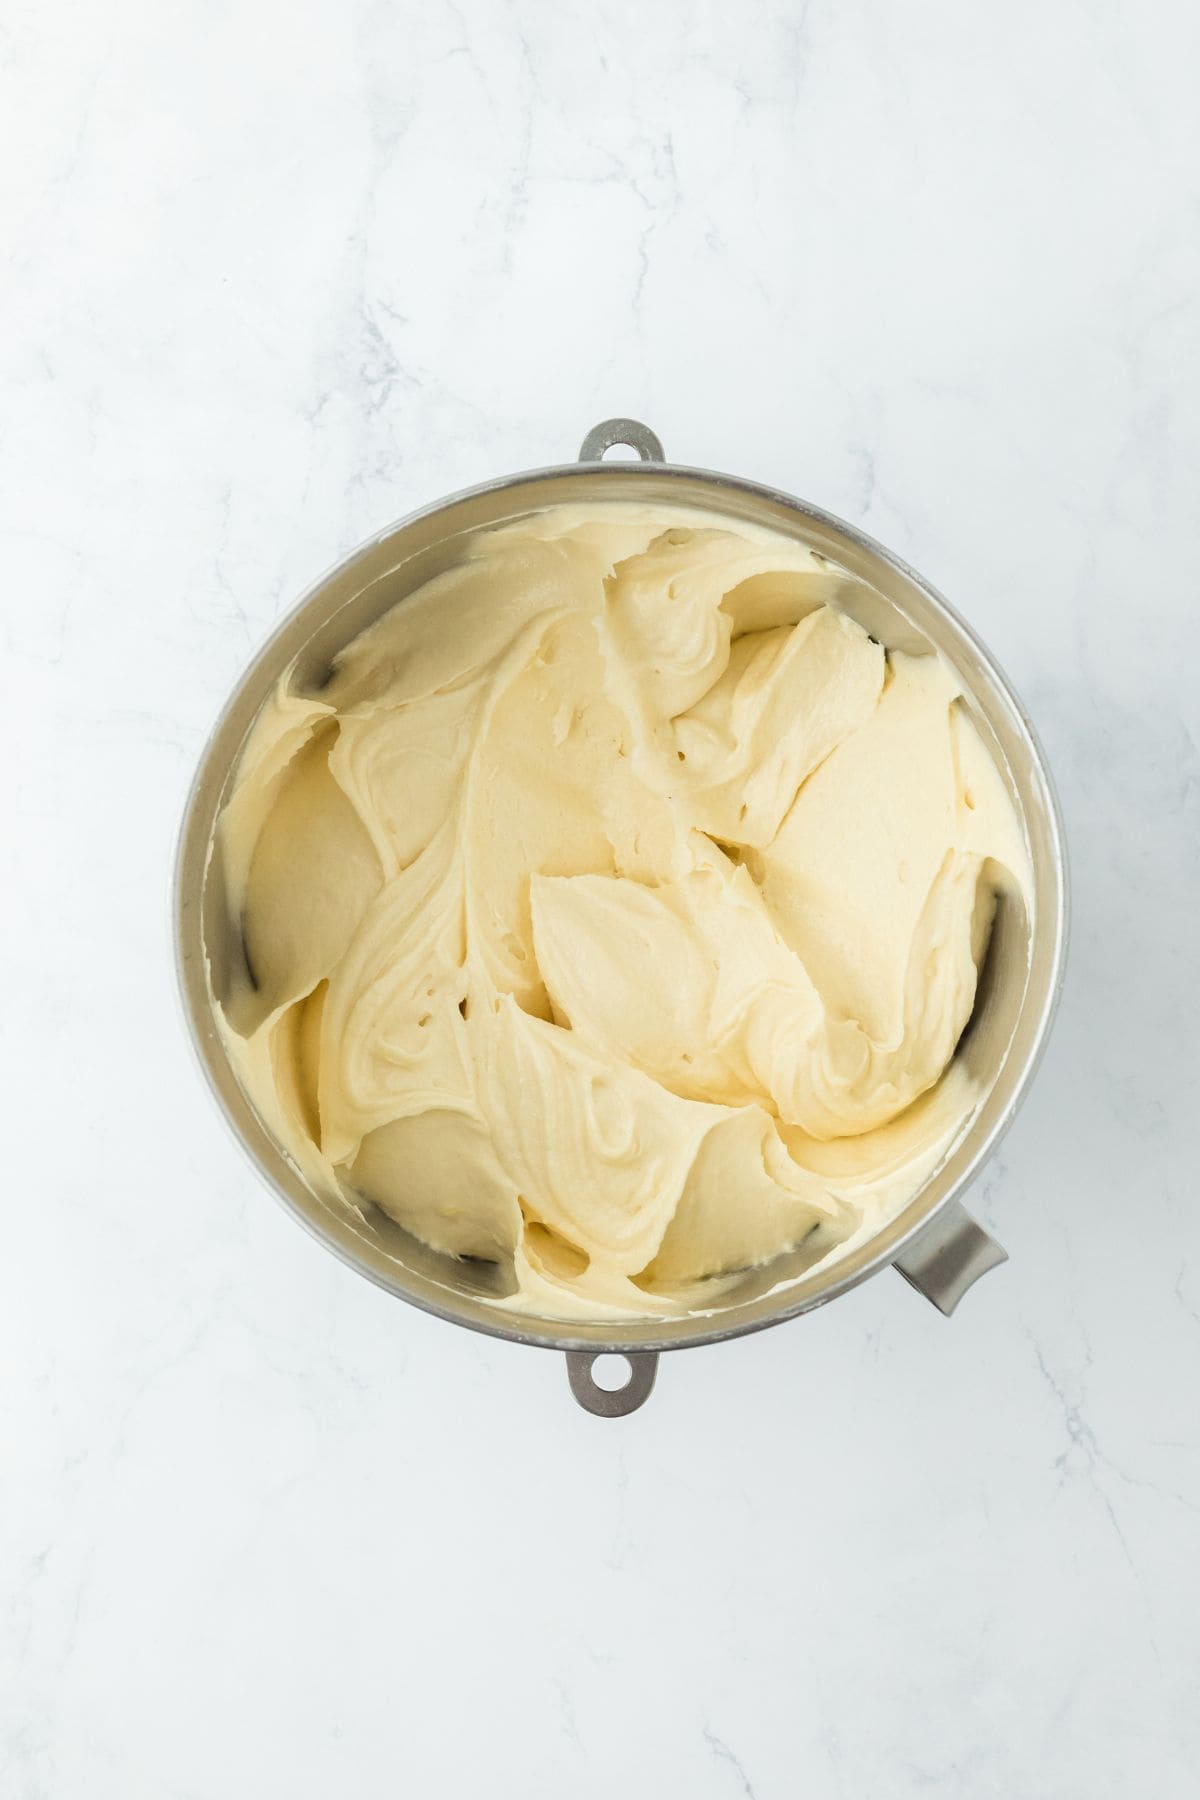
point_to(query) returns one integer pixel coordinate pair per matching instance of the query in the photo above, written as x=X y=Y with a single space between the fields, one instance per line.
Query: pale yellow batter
x=615 y=910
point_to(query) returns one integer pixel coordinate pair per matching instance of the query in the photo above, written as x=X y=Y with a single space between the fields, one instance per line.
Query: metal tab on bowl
x=612 y=1403
x=948 y=1257
x=630 y=432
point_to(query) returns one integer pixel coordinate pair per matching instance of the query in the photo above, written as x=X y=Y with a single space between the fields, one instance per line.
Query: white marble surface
x=271 y=276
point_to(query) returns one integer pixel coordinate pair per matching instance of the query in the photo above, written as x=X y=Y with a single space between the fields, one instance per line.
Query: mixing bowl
x=933 y=1241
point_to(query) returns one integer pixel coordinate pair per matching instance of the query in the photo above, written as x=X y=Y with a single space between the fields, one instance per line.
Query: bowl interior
x=1018 y=984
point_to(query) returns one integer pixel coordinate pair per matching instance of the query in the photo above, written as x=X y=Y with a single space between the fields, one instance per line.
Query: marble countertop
x=274 y=275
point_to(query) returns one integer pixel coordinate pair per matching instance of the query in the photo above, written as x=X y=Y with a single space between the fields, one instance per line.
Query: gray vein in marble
x=1189 y=1308
x=518 y=182
x=566 y=1713
x=723 y=1754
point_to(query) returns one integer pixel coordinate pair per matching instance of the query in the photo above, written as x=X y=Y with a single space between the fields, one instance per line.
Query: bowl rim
x=630 y=1336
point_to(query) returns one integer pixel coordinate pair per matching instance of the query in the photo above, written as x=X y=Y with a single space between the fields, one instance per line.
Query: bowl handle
x=612 y=1403
x=630 y=432
x=945 y=1259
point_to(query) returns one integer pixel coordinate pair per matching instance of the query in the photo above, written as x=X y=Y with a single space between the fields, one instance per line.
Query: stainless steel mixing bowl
x=933 y=1242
